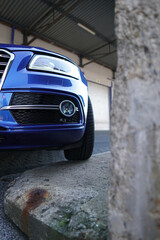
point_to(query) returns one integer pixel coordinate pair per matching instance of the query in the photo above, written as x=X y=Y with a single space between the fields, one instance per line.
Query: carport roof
x=85 y=27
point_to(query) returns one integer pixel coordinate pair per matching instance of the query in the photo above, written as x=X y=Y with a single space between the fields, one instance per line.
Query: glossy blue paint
x=23 y=77
x=14 y=48
x=5 y=98
x=5 y=116
x=20 y=79
x=40 y=138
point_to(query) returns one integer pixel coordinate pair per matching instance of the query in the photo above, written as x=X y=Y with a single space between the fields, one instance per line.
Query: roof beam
x=78 y=20
x=52 y=40
x=102 y=55
x=24 y=37
x=41 y=36
x=50 y=10
x=102 y=46
x=63 y=13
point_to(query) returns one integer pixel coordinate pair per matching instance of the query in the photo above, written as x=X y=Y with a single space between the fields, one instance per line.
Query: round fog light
x=67 y=108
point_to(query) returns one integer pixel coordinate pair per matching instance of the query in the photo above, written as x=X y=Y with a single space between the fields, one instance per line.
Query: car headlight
x=54 y=64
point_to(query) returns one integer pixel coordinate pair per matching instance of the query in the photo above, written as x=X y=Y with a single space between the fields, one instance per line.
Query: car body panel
x=20 y=79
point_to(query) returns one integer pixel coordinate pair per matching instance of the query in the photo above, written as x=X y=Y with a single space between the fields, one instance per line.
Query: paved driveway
x=102 y=142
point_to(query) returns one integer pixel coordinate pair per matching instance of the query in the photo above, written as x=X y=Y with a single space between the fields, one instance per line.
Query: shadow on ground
x=18 y=161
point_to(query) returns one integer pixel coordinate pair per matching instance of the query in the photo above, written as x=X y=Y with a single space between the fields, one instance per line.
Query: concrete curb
x=66 y=200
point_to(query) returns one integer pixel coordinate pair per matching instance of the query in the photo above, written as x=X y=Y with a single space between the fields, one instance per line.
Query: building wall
x=98 y=76
x=99 y=95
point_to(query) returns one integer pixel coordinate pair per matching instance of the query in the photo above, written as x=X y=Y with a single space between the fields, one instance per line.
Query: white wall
x=99 y=95
x=97 y=76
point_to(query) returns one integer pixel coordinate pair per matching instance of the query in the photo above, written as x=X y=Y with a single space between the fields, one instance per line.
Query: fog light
x=67 y=108
x=1 y=138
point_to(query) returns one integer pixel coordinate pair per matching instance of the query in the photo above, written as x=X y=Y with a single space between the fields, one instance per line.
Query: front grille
x=29 y=117
x=4 y=59
x=39 y=98
x=36 y=116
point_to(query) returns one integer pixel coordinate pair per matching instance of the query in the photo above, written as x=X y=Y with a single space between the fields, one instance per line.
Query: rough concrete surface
x=8 y=231
x=134 y=194
x=66 y=200
x=20 y=161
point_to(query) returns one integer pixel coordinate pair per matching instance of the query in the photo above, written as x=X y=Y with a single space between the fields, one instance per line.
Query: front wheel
x=85 y=151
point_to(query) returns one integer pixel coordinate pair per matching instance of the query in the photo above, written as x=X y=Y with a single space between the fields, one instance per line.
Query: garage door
x=99 y=95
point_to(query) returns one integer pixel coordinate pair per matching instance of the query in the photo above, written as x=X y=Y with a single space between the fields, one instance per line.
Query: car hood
x=13 y=48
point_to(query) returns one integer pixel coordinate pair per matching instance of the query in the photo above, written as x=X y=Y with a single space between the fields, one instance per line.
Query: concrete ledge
x=66 y=200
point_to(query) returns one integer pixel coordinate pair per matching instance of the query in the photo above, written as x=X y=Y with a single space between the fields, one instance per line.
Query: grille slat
x=3 y=63
x=32 y=117
x=4 y=59
x=2 y=55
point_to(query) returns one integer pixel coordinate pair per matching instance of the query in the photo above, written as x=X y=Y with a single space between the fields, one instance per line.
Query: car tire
x=85 y=151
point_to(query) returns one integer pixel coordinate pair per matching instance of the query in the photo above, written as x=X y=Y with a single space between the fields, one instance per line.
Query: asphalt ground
x=12 y=164
x=102 y=142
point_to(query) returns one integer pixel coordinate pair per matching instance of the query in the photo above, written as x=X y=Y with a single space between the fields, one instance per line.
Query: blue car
x=44 y=103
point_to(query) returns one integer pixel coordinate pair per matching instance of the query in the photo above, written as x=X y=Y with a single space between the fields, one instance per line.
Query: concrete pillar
x=134 y=193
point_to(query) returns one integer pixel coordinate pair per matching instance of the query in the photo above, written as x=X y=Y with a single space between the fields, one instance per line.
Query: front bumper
x=23 y=121
x=17 y=132
x=40 y=138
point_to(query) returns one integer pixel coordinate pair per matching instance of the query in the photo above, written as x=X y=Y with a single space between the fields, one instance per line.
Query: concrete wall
x=134 y=195
x=94 y=73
